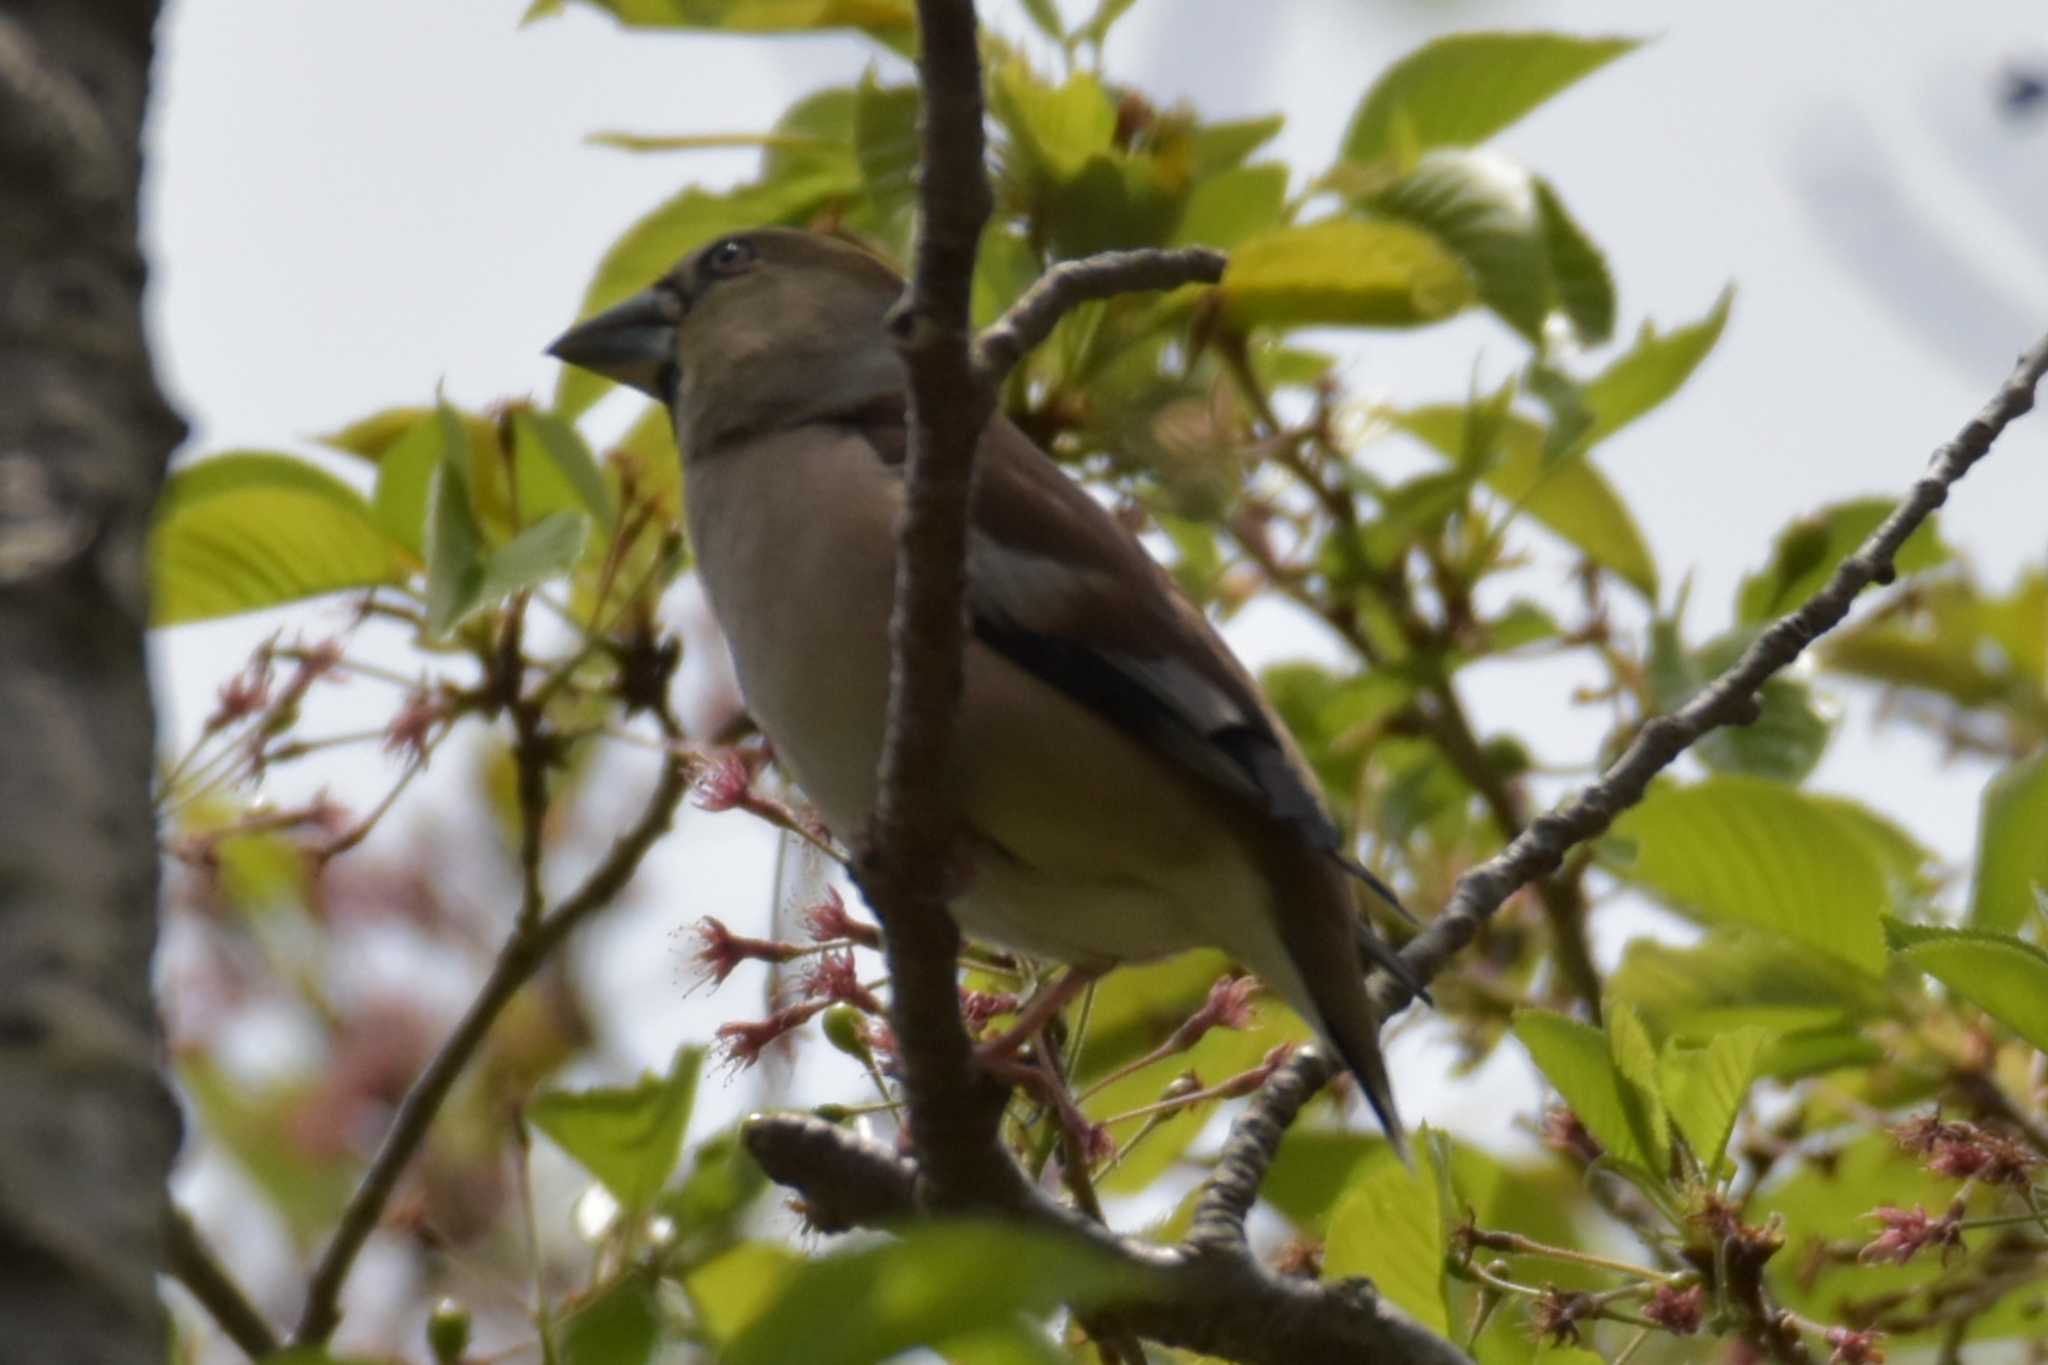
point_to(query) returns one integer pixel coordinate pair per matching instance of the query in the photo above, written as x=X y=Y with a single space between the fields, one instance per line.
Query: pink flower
x=1678 y=1311
x=1908 y=1231
x=719 y=950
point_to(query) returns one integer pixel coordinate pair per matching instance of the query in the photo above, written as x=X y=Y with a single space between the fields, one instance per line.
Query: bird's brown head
x=753 y=332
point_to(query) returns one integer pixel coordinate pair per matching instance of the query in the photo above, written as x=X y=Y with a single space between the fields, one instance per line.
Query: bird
x=1125 y=791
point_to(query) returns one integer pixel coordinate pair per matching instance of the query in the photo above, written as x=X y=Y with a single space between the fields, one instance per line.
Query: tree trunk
x=87 y=1130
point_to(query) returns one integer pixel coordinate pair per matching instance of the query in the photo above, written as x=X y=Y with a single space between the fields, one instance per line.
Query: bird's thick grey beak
x=631 y=342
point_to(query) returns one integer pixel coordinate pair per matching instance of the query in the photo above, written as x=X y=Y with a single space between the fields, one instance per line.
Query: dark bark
x=87 y=1132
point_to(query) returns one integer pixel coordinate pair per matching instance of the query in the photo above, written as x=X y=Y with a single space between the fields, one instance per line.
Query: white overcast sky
x=350 y=204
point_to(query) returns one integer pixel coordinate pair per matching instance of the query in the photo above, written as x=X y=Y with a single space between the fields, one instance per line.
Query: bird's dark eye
x=729 y=257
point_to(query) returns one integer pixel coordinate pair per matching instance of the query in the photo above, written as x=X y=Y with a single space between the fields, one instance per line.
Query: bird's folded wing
x=1060 y=589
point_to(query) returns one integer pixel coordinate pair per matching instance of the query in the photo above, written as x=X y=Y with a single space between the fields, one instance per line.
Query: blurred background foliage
x=1740 y=1107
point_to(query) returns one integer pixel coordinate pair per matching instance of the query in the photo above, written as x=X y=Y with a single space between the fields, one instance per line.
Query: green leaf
x=1054 y=130
x=455 y=551
x=893 y=22
x=620 y=1325
x=1578 y=269
x=1218 y=147
x=885 y=146
x=253 y=529
x=1483 y=209
x=629 y=1137
x=1389 y=1228
x=732 y=1291
x=1786 y=740
x=2012 y=845
x=936 y=1283
x=1464 y=88
x=1635 y=1061
x=1312 y=1171
x=1742 y=850
x=549 y=547
x=1225 y=209
x=1346 y=272
x=1576 y=1059
x=653 y=245
x=1045 y=17
x=2004 y=976
x=1568 y=496
x=1652 y=370
x=1807 y=553
x=1703 y=1086
x=555 y=469
x=405 y=474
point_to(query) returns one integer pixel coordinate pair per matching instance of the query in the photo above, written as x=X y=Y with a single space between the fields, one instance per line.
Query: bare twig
x=1031 y=318
x=523 y=953
x=191 y=1262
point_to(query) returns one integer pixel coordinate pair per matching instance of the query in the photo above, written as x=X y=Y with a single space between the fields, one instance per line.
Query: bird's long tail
x=1315 y=914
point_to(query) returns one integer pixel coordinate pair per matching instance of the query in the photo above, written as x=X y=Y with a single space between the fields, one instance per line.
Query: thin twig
x=191 y=1262
x=1730 y=699
x=523 y=953
x=1032 y=318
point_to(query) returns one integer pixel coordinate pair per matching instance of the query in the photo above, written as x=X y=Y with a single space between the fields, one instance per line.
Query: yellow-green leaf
x=1345 y=272
x=2004 y=976
x=2012 y=845
x=1464 y=88
x=1389 y=1228
x=1745 y=850
x=936 y=1283
x=1652 y=370
x=628 y=1137
x=1569 y=496
x=1703 y=1086
x=254 y=529
x=1575 y=1058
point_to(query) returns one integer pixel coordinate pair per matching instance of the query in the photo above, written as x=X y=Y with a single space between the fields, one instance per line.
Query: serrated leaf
x=1703 y=1086
x=549 y=547
x=730 y=1291
x=1482 y=208
x=1578 y=270
x=619 y=1325
x=405 y=475
x=253 y=529
x=628 y=1137
x=1635 y=1061
x=1744 y=850
x=1569 y=496
x=936 y=1283
x=1389 y=1228
x=1577 y=1061
x=1344 y=272
x=2004 y=976
x=1218 y=147
x=1225 y=209
x=1462 y=89
x=1652 y=370
x=2012 y=845
x=1054 y=130
x=1807 y=553
x=553 y=460
x=1312 y=1171
x=454 y=551
x=892 y=22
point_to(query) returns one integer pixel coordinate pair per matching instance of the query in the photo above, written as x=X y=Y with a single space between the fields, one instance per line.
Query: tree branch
x=1213 y=1296
x=1032 y=317
x=1729 y=700
x=1216 y=1300
x=191 y=1262
x=527 y=948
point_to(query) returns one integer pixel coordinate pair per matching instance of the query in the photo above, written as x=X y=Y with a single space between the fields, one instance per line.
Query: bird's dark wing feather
x=1060 y=589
